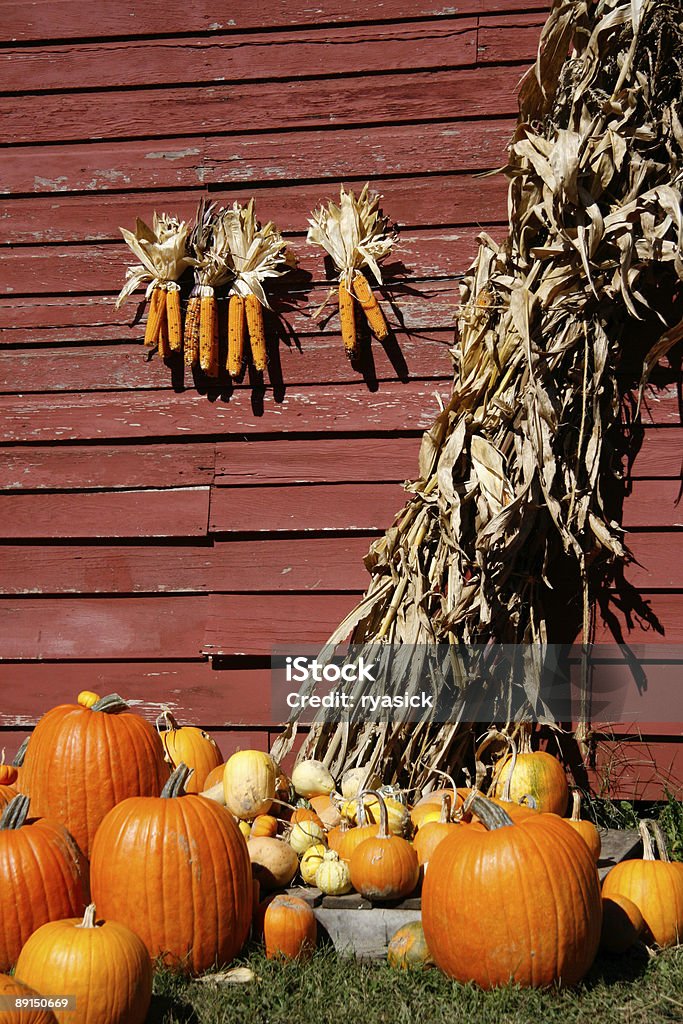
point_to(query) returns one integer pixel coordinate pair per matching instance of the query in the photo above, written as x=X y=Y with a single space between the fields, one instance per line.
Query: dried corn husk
x=354 y=234
x=162 y=251
x=512 y=502
x=256 y=253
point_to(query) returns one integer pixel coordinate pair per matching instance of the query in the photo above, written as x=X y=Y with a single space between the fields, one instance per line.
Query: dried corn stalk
x=356 y=235
x=256 y=254
x=515 y=475
x=162 y=251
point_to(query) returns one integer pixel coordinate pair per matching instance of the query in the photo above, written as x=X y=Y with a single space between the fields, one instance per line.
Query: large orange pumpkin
x=12 y=988
x=102 y=963
x=83 y=761
x=290 y=929
x=656 y=888
x=189 y=745
x=175 y=869
x=517 y=903
x=43 y=876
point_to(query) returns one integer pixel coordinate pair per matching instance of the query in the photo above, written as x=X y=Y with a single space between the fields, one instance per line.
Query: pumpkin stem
x=445 y=809
x=15 y=814
x=165 y=721
x=496 y=734
x=491 y=815
x=576 y=805
x=661 y=841
x=383 y=813
x=648 y=849
x=89 y=917
x=2 y=756
x=20 y=754
x=176 y=784
x=111 y=704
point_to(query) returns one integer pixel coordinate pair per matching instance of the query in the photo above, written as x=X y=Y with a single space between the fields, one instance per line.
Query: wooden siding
x=149 y=527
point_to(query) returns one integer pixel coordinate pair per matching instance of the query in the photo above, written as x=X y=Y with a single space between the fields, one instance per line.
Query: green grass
x=331 y=989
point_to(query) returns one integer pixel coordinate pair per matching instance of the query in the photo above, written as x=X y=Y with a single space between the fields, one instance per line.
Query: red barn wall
x=148 y=526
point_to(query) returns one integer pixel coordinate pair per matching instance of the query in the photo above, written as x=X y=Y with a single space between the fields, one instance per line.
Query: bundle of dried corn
x=162 y=251
x=513 y=497
x=256 y=254
x=199 y=241
x=355 y=234
x=214 y=260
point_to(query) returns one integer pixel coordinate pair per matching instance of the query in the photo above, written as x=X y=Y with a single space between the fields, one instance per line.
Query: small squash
x=408 y=948
x=305 y=834
x=311 y=860
x=103 y=964
x=249 y=783
x=88 y=698
x=12 y=987
x=273 y=862
x=356 y=779
x=290 y=929
x=327 y=810
x=622 y=924
x=263 y=825
x=333 y=876
x=300 y=814
x=385 y=866
x=586 y=829
x=191 y=746
x=531 y=773
x=398 y=815
x=311 y=778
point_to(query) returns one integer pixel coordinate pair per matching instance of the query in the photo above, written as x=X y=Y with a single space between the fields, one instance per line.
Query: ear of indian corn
x=191 y=336
x=347 y=319
x=164 y=346
x=157 y=308
x=175 y=324
x=257 y=334
x=236 y=326
x=371 y=306
x=208 y=329
x=214 y=368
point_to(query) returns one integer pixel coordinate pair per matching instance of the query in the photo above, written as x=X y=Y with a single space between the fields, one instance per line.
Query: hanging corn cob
x=163 y=257
x=198 y=241
x=256 y=253
x=214 y=271
x=355 y=234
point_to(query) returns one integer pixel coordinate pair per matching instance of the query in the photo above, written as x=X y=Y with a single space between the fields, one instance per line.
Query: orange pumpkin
x=300 y=814
x=586 y=829
x=290 y=929
x=11 y=987
x=543 y=875
x=433 y=832
x=428 y=807
x=622 y=924
x=656 y=888
x=524 y=772
x=191 y=746
x=215 y=776
x=82 y=761
x=102 y=963
x=8 y=773
x=43 y=876
x=384 y=867
x=263 y=825
x=187 y=857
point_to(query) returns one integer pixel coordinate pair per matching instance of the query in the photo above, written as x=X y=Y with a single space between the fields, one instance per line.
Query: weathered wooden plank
x=103 y=628
x=435 y=200
x=349 y=461
x=367 y=506
x=95 y=416
x=196 y=693
x=252 y=625
x=654 y=618
x=316 y=360
x=89 y=467
x=488 y=91
x=389 y=46
x=69 y=19
x=79 y=268
x=660 y=455
x=71 y=319
x=190 y=161
x=654 y=503
x=181 y=512
x=654 y=568
x=638 y=771
x=245 y=567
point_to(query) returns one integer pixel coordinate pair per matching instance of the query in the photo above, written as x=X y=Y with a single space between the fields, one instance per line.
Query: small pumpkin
x=408 y=948
x=356 y=779
x=622 y=924
x=249 y=783
x=348 y=838
x=290 y=929
x=310 y=861
x=245 y=828
x=385 y=866
x=81 y=762
x=311 y=778
x=300 y=814
x=264 y=825
x=8 y=773
x=398 y=815
x=12 y=987
x=215 y=776
x=305 y=834
x=655 y=886
x=428 y=807
x=175 y=869
x=336 y=834
x=432 y=833
x=327 y=810
x=273 y=862
x=43 y=876
x=103 y=964
x=552 y=937
x=534 y=773
x=333 y=876
x=188 y=745
x=88 y=698
x=586 y=829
